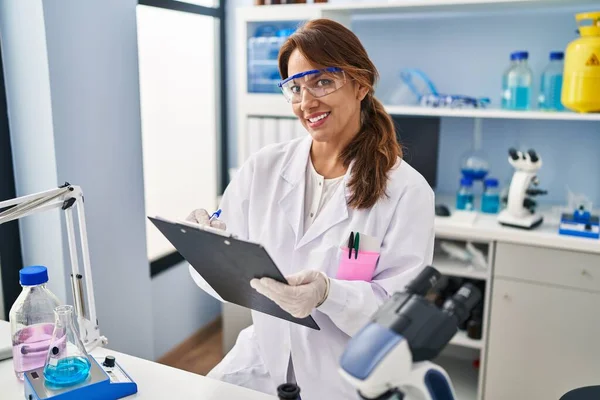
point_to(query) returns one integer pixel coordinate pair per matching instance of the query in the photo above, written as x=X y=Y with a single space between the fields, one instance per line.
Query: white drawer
x=557 y=267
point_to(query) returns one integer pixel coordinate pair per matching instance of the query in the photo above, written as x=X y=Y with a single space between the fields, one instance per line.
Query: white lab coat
x=264 y=204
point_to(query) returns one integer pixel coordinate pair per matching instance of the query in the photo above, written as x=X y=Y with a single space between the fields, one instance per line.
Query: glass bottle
x=490 y=200
x=464 y=196
x=32 y=320
x=67 y=362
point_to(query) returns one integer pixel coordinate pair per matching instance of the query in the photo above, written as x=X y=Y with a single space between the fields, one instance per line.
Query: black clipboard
x=228 y=264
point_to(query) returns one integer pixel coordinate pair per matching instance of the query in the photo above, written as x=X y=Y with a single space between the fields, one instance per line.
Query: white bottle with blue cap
x=32 y=320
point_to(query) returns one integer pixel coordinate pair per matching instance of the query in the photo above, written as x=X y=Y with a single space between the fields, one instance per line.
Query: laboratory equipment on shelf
x=516 y=83
x=413 y=84
x=67 y=361
x=551 y=84
x=465 y=199
x=390 y=357
x=473 y=163
x=100 y=384
x=520 y=211
x=581 y=78
x=32 y=320
x=453 y=101
x=490 y=199
x=580 y=223
x=263 y=50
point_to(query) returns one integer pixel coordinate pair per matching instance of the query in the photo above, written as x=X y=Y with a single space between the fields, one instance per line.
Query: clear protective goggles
x=318 y=82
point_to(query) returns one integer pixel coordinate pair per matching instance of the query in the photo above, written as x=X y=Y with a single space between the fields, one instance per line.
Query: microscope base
x=527 y=222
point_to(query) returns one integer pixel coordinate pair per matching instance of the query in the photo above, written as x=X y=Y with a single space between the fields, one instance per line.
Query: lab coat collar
x=292 y=201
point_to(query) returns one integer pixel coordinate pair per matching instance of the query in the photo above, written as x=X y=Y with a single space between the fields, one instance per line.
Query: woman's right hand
x=200 y=216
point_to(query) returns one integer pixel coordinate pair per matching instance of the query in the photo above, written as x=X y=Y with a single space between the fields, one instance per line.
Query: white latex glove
x=306 y=291
x=201 y=217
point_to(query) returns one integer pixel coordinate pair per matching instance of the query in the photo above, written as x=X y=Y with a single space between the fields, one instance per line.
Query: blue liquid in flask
x=67 y=372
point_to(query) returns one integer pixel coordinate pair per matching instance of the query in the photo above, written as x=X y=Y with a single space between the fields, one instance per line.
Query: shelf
x=263 y=63
x=274 y=105
x=298 y=12
x=404 y=6
x=490 y=113
x=461 y=339
x=452 y=267
x=463 y=375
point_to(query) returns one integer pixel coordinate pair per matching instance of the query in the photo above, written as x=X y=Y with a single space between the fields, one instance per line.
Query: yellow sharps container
x=581 y=76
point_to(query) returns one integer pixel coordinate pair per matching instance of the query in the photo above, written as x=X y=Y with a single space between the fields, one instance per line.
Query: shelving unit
x=451 y=267
x=461 y=339
x=463 y=374
x=468 y=381
x=274 y=105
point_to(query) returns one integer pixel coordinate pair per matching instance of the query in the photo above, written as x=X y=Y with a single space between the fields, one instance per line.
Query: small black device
x=442 y=210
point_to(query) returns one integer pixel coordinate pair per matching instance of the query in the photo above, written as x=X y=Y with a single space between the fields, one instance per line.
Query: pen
x=356 y=244
x=214 y=215
x=350 y=244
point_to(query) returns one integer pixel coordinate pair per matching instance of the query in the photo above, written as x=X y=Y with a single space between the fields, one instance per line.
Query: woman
x=302 y=199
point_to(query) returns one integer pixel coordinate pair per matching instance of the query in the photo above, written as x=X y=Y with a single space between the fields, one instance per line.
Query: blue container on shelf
x=263 y=50
x=465 y=197
x=490 y=199
x=551 y=83
x=516 y=83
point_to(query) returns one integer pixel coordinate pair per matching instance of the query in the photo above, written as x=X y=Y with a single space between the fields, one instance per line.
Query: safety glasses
x=318 y=82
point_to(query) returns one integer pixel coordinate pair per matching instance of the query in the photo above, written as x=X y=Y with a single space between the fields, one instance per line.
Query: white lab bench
x=540 y=315
x=540 y=322
x=155 y=382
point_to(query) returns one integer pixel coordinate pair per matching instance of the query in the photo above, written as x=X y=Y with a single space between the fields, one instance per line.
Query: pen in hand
x=214 y=216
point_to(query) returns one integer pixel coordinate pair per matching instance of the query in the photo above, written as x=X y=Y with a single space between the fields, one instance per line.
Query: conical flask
x=67 y=361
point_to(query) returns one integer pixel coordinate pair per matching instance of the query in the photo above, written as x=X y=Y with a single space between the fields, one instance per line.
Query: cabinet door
x=543 y=341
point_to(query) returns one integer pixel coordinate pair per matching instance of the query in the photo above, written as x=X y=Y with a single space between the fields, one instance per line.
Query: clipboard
x=228 y=264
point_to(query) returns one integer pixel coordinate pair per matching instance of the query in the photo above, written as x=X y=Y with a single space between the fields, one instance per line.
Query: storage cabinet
x=544 y=324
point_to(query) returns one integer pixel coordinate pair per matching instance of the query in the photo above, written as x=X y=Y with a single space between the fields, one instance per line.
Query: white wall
x=92 y=53
x=74 y=110
x=180 y=308
x=23 y=36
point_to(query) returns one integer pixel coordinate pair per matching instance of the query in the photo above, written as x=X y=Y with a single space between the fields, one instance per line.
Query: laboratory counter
x=485 y=227
x=154 y=381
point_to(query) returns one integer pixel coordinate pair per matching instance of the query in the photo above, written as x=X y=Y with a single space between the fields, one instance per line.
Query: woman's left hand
x=305 y=291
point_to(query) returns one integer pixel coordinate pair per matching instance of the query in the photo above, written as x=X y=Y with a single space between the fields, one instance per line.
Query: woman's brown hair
x=375 y=149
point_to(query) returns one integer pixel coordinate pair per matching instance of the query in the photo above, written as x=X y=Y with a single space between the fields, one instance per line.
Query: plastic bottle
x=288 y=391
x=32 y=320
x=516 y=83
x=464 y=196
x=490 y=200
x=551 y=83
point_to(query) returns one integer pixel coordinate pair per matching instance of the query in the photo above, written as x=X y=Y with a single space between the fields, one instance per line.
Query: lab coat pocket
x=360 y=268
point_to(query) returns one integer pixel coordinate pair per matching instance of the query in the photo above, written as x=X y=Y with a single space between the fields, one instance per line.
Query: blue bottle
x=551 y=83
x=516 y=83
x=490 y=199
x=464 y=196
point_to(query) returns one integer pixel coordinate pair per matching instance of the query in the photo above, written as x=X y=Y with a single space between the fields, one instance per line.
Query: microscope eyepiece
x=460 y=305
x=533 y=156
x=424 y=282
x=513 y=154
